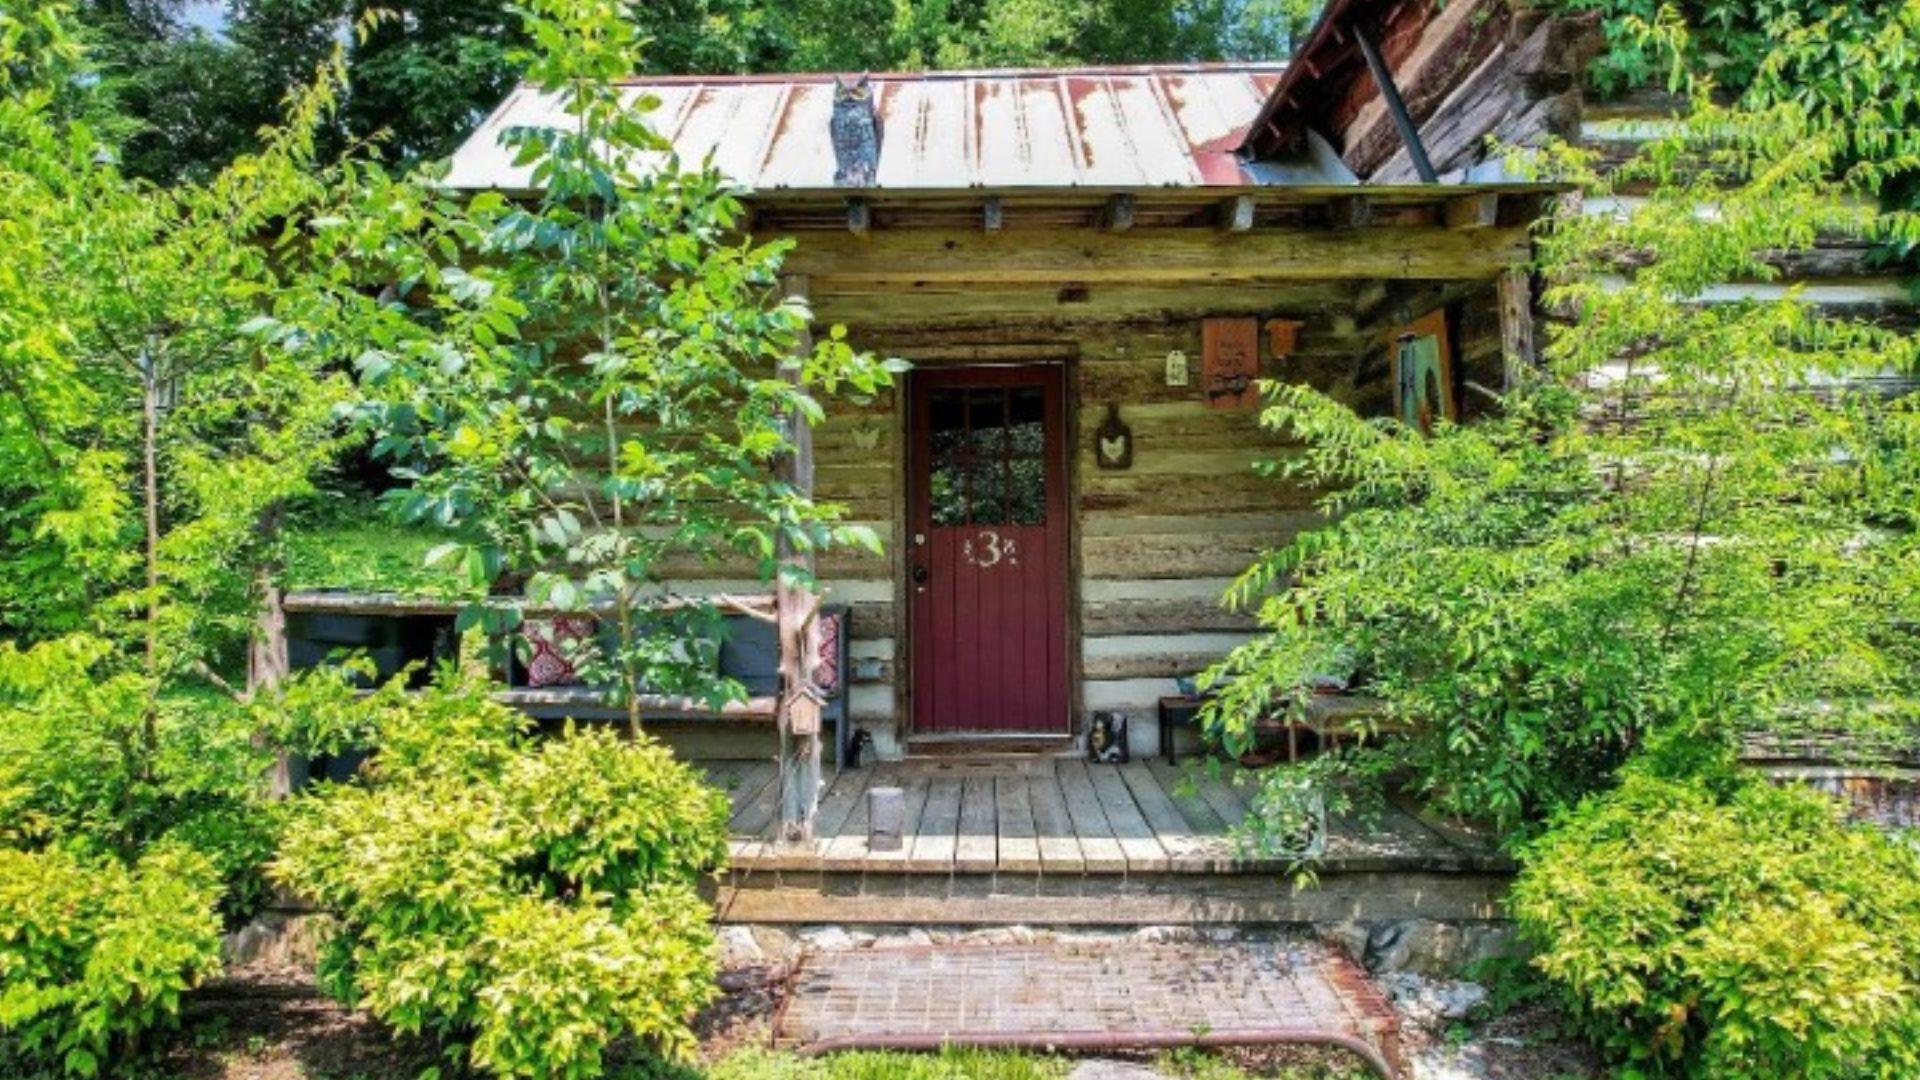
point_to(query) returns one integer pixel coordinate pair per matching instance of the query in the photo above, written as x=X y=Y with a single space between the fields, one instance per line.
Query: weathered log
x=1144 y=256
x=1516 y=324
x=795 y=608
x=1519 y=93
x=1458 y=37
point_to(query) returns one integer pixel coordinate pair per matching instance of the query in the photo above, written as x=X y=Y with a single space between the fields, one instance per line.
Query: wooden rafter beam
x=1236 y=214
x=921 y=258
x=1480 y=211
x=1349 y=212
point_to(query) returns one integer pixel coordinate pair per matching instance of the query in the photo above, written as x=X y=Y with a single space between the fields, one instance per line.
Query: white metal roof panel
x=1115 y=127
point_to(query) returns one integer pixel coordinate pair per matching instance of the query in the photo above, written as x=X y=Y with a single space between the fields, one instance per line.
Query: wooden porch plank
x=847 y=848
x=745 y=780
x=1186 y=852
x=1143 y=852
x=752 y=818
x=1098 y=847
x=934 y=840
x=1053 y=827
x=843 y=794
x=1198 y=814
x=913 y=786
x=1019 y=844
x=976 y=848
x=1219 y=794
x=1207 y=824
x=753 y=813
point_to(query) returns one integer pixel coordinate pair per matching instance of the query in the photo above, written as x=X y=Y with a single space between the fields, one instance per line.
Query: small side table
x=1176 y=710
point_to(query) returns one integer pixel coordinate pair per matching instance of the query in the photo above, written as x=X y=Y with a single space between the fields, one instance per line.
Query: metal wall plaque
x=1230 y=362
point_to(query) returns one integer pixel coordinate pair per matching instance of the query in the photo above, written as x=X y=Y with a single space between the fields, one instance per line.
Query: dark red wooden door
x=988 y=551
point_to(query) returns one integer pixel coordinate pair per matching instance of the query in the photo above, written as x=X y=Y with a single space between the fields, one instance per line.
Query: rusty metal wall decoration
x=1230 y=362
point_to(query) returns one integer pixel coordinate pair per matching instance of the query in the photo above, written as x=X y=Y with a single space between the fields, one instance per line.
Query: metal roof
x=1174 y=125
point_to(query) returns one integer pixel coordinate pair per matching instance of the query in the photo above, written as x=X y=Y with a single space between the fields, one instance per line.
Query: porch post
x=267 y=664
x=1516 y=323
x=796 y=607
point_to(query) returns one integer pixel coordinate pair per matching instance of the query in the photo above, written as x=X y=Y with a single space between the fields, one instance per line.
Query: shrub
x=527 y=903
x=93 y=954
x=1746 y=931
x=79 y=770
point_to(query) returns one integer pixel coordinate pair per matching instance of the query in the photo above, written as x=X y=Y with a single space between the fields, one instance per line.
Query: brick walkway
x=1075 y=994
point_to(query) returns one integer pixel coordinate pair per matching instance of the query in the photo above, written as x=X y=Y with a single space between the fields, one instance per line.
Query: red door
x=988 y=551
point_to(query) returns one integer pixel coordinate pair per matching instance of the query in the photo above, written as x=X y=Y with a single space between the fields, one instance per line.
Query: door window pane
x=989 y=490
x=1026 y=421
x=946 y=422
x=987 y=421
x=987 y=456
x=1027 y=494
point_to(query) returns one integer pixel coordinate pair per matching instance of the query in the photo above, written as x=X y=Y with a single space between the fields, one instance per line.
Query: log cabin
x=1086 y=267
x=1089 y=269
x=1073 y=261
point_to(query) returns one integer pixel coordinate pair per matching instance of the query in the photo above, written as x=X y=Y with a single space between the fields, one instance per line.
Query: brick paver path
x=1153 y=994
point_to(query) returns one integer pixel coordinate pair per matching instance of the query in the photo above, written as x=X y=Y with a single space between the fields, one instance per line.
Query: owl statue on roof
x=856 y=133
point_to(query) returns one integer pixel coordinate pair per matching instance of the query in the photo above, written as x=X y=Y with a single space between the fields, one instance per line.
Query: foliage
x=1735 y=930
x=946 y=34
x=94 y=953
x=149 y=432
x=139 y=408
x=72 y=771
x=1734 y=41
x=425 y=71
x=368 y=556
x=604 y=392
x=526 y=903
x=1695 y=520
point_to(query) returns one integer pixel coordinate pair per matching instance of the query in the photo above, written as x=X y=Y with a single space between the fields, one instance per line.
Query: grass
x=369 y=557
x=757 y=1064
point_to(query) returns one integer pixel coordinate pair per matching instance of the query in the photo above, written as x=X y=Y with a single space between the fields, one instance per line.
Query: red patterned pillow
x=554 y=646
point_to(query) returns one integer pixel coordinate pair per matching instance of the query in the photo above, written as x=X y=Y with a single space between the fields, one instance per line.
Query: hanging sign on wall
x=1230 y=362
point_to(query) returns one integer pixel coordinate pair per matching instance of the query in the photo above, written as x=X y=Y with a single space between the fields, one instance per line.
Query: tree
x=425 y=71
x=595 y=382
x=1696 y=521
x=170 y=366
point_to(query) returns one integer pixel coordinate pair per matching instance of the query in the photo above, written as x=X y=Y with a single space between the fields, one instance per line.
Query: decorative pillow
x=554 y=645
x=826 y=673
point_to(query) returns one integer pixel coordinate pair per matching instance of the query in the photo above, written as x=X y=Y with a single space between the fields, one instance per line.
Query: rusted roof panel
x=1115 y=127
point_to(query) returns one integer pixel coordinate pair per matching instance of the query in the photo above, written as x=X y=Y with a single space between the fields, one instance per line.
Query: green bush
x=93 y=954
x=80 y=769
x=1746 y=931
x=528 y=903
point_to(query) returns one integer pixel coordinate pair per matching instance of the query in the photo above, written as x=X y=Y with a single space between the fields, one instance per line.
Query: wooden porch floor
x=1060 y=816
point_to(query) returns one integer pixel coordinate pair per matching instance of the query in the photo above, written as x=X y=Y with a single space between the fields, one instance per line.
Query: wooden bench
x=395 y=631
x=1327 y=717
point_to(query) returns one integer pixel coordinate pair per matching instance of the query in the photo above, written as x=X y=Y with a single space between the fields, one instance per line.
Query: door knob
x=920 y=575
